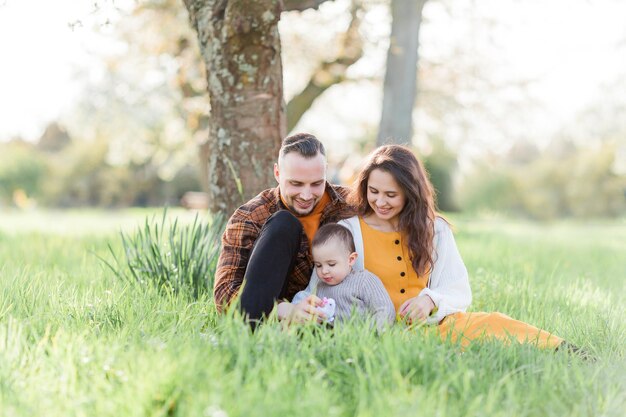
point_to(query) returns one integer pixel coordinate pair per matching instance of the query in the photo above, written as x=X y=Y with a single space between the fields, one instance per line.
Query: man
x=266 y=245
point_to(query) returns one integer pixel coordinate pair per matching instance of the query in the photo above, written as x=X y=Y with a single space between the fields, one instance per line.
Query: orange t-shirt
x=311 y=222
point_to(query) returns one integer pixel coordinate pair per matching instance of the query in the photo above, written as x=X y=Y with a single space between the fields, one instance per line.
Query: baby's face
x=333 y=261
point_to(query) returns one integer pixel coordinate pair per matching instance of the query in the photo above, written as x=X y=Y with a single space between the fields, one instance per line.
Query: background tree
x=241 y=50
x=240 y=45
x=400 y=85
x=149 y=104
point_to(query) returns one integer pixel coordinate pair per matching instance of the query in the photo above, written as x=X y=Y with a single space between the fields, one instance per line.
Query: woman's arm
x=448 y=285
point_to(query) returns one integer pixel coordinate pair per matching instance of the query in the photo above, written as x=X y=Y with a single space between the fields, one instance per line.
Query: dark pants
x=272 y=259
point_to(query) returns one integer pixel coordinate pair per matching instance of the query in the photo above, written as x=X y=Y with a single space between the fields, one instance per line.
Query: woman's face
x=385 y=196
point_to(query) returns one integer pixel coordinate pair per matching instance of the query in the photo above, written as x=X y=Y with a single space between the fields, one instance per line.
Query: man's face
x=301 y=181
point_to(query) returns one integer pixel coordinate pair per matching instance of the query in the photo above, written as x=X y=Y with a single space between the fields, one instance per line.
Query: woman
x=401 y=239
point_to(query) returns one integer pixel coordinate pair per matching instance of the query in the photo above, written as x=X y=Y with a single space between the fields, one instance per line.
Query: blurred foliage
x=441 y=164
x=581 y=172
x=134 y=138
x=564 y=181
x=21 y=170
x=146 y=112
x=80 y=174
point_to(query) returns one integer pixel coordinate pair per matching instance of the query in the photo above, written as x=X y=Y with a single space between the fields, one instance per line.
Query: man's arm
x=237 y=242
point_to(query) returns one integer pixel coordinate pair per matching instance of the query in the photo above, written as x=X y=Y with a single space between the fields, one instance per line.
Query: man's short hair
x=305 y=144
x=334 y=230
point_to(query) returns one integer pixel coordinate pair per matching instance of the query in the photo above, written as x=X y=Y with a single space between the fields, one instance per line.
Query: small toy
x=328 y=308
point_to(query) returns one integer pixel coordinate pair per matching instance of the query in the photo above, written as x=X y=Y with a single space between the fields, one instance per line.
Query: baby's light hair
x=334 y=230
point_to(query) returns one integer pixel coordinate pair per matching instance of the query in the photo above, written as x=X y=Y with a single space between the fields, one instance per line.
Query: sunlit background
x=521 y=105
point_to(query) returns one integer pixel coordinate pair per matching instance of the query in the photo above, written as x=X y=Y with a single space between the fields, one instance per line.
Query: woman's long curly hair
x=417 y=218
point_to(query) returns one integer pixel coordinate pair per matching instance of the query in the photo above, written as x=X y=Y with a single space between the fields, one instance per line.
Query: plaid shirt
x=243 y=229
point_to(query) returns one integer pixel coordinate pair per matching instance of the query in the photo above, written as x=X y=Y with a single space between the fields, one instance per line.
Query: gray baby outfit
x=360 y=290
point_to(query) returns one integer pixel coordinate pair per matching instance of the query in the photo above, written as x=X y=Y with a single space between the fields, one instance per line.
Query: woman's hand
x=305 y=311
x=417 y=309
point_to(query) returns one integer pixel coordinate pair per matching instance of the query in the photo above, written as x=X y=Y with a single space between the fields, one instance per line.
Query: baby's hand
x=306 y=310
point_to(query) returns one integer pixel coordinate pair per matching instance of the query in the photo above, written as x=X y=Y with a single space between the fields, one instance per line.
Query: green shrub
x=22 y=167
x=440 y=165
x=492 y=188
x=581 y=182
x=171 y=256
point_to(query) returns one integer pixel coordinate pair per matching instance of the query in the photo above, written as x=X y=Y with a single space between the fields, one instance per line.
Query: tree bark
x=400 y=87
x=240 y=46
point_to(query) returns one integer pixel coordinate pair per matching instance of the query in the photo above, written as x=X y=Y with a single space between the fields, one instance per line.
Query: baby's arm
x=310 y=289
x=377 y=301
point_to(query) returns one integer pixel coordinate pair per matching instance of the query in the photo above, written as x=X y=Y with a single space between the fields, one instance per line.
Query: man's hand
x=417 y=309
x=305 y=311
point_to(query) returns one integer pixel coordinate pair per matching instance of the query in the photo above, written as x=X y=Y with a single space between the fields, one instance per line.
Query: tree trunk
x=240 y=46
x=400 y=88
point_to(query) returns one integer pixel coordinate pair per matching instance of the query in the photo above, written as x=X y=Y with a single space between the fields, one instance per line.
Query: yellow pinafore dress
x=386 y=255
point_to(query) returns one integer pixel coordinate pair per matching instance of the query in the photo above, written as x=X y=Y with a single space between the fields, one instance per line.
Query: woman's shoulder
x=441 y=225
x=351 y=222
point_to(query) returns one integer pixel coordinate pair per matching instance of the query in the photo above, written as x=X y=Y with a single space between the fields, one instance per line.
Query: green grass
x=76 y=341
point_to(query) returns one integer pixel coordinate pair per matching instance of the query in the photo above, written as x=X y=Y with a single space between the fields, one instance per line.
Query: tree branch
x=300 y=5
x=328 y=73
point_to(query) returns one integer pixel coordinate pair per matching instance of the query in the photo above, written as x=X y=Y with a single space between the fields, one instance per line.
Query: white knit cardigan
x=448 y=283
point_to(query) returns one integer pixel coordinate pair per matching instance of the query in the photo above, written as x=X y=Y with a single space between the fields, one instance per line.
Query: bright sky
x=41 y=54
x=570 y=46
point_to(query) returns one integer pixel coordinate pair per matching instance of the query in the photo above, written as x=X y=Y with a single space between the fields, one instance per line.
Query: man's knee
x=283 y=225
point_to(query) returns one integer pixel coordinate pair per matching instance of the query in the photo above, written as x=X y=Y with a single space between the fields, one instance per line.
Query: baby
x=341 y=288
